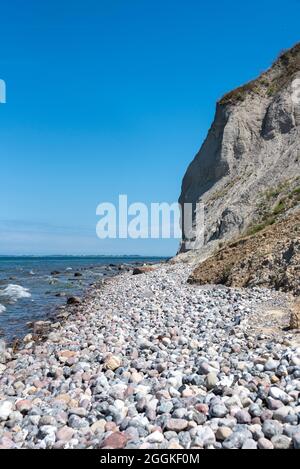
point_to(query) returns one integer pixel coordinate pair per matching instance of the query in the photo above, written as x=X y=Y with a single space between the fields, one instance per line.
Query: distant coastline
x=87 y=256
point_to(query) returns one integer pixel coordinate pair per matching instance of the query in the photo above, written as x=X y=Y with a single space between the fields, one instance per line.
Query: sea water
x=31 y=288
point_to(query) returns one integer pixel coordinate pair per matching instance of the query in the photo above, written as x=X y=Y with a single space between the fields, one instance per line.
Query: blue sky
x=115 y=97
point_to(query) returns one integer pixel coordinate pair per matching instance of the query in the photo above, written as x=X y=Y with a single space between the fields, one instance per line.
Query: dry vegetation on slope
x=270 y=82
x=269 y=258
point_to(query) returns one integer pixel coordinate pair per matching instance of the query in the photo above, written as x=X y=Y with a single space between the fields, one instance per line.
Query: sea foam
x=14 y=293
x=2 y=308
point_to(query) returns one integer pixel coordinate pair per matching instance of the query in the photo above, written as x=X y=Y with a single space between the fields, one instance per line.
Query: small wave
x=2 y=308
x=14 y=293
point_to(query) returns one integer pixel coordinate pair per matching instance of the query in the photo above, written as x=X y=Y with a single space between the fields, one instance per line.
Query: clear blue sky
x=113 y=96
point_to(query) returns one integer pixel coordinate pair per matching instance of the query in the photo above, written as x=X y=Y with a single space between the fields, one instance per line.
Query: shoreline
x=47 y=290
x=148 y=361
x=61 y=314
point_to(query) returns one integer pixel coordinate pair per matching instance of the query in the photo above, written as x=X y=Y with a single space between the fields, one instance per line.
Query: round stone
x=99 y=426
x=281 y=414
x=278 y=394
x=271 y=365
x=296 y=440
x=24 y=406
x=112 y=362
x=47 y=420
x=155 y=437
x=116 y=440
x=281 y=442
x=263 y=443
x=165 y=407
x=237 y=439
x=295 y=360
x=218 y=411
x=211 y=380
x=243 y=417
x=255 y=410
x=204 y=437
x=65 y=434
x=249 y=444
x=198 y=417
x=176 y=425
x=6 y=408
x=204 y=368
x=223 y=433
x=271 y=428
x=179 y=413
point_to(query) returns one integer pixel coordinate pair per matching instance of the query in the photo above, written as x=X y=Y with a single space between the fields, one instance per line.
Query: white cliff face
x=252 y=147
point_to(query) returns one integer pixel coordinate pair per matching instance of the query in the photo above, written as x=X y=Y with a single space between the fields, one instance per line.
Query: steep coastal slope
x=270 y=258
x=247 y=171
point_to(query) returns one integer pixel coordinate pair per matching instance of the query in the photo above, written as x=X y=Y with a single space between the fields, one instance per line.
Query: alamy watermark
x=154 y=221
x=2 y=92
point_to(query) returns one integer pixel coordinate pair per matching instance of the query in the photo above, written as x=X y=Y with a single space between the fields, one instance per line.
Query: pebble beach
x=149 y=361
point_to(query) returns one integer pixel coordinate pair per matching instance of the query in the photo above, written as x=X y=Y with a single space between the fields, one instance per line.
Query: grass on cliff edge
x=287 y=201
x=289 y=63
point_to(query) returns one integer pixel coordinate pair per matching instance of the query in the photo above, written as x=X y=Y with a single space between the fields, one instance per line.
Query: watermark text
x=2 y=92
x=153 y=221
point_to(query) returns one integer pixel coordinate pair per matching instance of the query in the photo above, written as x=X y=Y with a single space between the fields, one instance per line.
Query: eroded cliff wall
x=249 y=165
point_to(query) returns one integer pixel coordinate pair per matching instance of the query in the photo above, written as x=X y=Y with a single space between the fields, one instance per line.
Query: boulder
x=295 y=316
x=142 y=270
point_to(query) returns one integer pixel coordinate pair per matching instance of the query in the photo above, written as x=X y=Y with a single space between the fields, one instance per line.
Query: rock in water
x=73 y=300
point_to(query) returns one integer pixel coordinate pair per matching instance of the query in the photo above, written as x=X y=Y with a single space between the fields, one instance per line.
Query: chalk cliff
x=247 y=172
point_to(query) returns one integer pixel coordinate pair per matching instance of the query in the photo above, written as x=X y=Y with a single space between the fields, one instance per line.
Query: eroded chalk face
x=296 y=91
